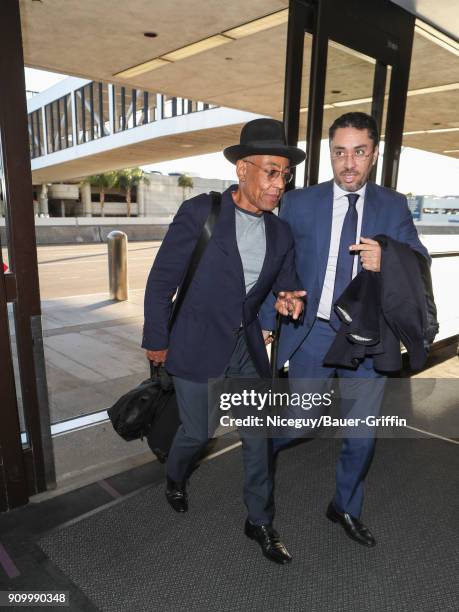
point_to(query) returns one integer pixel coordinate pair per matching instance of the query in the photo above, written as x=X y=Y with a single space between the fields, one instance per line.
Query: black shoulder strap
x=198 y=252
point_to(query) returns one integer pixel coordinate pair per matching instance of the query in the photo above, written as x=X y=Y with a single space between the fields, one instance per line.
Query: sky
x=39 y=80
x=420 y=172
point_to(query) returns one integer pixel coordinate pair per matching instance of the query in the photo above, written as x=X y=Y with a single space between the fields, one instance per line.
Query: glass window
x=88 y=114
x=79 y=116
x=68 y=120
x=152 y=108
x=104 y=111
x=92 y=120
x=36 y=143
x=167 y=107
x=31 y=135
x=141 y=109
x=129 y=103
x=49 y=142
x=58 y=125
x=119 y=99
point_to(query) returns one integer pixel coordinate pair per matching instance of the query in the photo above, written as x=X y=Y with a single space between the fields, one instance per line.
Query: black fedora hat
x=264 y=137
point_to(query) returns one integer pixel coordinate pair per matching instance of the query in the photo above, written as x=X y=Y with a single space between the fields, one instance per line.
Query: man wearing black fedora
x=217 y=333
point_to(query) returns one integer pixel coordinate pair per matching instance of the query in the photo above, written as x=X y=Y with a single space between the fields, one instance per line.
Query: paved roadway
x=83 y=269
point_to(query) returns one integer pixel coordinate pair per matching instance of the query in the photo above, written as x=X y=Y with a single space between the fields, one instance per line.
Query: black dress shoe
x=176 y=495
x=352 y=526
x=269 y=540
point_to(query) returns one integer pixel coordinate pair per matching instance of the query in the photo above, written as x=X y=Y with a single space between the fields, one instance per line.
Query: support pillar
x=85 y=190
x=24 y=468
x=44 y=210
x=141 y=199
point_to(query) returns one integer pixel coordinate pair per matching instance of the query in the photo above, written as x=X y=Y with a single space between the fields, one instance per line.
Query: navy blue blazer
x=309 y=211
x=204 y=334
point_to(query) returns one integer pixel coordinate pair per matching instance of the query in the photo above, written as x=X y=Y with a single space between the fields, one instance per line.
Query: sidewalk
x=93 y=356
x=92 y=351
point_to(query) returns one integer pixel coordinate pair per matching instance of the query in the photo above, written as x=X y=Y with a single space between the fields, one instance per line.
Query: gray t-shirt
x=251 y=242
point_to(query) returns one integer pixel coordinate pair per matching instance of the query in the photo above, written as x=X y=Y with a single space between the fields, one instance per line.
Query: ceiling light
x=452 y=151
x=197 y=47
x=415 y=133
x=258 y=25
x=141 y=68
x=412 y=92
x=441 y=130
x=305 y=109
x=440 y=39
x=434 y=89
x=352 y=102
x=436 y=131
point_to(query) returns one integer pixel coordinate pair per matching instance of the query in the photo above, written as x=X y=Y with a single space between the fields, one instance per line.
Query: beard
x=360 y=181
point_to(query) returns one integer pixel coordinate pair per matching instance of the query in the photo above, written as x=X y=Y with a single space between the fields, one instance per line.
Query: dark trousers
x=366 y=386
x=195 y=430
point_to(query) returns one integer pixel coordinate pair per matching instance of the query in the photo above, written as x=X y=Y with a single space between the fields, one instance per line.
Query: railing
x=98 y=109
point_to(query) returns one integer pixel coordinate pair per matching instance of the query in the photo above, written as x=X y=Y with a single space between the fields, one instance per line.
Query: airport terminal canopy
x=233 y=55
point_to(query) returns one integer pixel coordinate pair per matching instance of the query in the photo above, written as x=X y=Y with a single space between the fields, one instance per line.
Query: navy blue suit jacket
x=204 y=334
x=309 y=213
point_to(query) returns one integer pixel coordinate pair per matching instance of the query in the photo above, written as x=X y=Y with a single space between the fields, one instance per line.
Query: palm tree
x=103 y=181
x=185 y=182
x=127 y=179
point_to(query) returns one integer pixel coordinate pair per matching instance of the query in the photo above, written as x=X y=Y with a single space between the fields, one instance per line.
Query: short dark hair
x=359 y=121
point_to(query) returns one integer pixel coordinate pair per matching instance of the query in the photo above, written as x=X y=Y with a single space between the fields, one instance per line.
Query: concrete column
x=85 y=190
x=141 y=199
x=44 y=200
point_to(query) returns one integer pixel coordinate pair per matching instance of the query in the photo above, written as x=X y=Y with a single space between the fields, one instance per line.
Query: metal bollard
x=117 y=265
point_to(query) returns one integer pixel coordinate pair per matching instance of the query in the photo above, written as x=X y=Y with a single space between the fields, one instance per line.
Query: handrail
x=436 y=254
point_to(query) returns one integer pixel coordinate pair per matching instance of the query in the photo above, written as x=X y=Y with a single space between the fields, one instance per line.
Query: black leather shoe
x=176 y=495
x=352 y=526
x=269 y=540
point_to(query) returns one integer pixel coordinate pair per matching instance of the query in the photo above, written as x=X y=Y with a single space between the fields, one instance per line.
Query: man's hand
x=370 y=254
x=157 y=357
x=268 y=336
x=289 y=303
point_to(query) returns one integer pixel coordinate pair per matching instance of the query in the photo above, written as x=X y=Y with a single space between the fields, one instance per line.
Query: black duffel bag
x=150 y=410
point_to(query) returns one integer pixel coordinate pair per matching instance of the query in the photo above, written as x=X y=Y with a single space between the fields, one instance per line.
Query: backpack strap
x=206 y=234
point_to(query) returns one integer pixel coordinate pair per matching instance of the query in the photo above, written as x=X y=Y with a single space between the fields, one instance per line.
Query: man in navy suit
x=331 y=223
x=217 y=333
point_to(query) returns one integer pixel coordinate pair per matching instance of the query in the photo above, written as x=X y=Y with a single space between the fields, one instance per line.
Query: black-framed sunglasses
x=274 y=174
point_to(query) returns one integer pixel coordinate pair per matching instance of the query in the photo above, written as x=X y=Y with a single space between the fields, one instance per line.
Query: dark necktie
x=345 y=261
